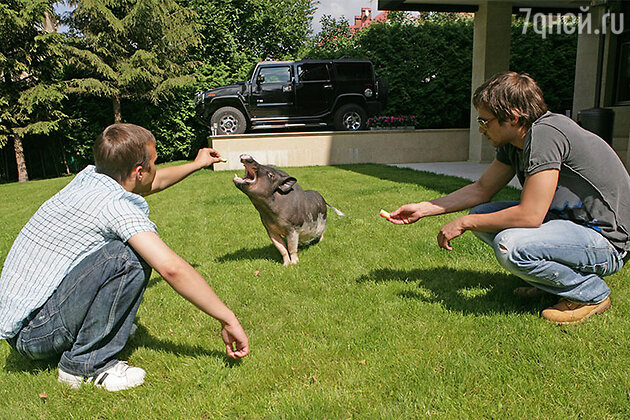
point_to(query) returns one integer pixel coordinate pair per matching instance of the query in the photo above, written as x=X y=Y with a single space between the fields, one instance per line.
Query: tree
x=130 y=49
x=30 y=66
x=427 y=61
x=334 y=40
x=550 y=61
x=399 y=17
x=238 y=33
x=428 y=66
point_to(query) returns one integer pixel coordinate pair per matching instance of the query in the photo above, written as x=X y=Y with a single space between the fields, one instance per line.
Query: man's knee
x=492 y=207
x=480 y=209
x=512 y=249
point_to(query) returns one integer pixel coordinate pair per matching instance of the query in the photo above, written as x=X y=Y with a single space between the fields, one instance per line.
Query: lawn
x=375 y=321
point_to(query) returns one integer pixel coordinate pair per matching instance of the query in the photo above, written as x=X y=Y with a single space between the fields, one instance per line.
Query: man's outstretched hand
x=409 y=213
x=233 y=334
x=207 y=156
x=448 y=232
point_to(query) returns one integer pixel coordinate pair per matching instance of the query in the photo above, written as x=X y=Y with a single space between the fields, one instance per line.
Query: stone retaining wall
x=336 y=148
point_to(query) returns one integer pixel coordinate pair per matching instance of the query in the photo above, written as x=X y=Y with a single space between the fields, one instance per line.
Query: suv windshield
x=276 y=74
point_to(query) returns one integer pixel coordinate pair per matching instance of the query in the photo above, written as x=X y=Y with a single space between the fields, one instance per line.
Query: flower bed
x=384 y=122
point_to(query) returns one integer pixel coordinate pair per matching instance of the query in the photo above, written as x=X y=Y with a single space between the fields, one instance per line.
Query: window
x=622 y=68
x=623 y=71
x=354 y=71
x=276 y=74
x=313 y=72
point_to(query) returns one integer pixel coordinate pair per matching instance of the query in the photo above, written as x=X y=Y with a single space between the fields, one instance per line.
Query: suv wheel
x=229 y=120
x=350 y=117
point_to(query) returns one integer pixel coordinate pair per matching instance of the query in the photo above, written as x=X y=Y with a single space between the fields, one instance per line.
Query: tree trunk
x=5 y=155
x=19 y=158
x=54 y=158
x=41 y=159
x=117 y=114
x=63 y=157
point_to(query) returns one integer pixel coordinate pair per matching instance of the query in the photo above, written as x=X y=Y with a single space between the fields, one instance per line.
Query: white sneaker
x=116 y=378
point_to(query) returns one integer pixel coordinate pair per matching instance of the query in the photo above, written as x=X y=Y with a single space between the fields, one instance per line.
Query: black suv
x=343 y=93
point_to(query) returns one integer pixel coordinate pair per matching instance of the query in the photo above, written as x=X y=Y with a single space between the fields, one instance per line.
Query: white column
x=586 y=62
x=491 y=55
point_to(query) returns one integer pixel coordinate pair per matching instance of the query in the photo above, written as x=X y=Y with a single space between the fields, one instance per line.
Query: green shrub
x=428 y=65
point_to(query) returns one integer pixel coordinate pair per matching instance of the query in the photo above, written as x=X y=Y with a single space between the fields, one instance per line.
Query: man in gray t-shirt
x=571 y=226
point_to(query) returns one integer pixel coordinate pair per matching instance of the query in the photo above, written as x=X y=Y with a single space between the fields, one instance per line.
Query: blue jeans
x=560 y=257
x=89 y=317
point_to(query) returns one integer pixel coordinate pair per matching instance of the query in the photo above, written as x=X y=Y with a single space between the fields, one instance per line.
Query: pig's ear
x=287 y=184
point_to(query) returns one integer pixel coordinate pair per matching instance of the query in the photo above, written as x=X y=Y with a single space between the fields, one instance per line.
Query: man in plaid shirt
x=75 y=275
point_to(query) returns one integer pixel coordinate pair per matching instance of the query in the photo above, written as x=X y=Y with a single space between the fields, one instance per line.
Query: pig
x=286 y=210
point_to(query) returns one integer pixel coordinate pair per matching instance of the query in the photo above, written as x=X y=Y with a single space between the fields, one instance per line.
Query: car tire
x=350 y=117
x=228 y=120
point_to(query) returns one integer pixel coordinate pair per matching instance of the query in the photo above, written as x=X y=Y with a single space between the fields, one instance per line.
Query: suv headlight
x=368 y=93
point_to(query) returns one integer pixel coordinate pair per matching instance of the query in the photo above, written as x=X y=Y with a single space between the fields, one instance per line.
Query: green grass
x=374 y=322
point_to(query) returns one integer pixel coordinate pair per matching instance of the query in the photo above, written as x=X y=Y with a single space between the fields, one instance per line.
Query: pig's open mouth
x=249 y=177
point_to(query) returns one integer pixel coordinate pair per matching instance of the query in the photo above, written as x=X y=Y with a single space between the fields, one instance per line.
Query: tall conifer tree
x=130 y=49
x=30 y=67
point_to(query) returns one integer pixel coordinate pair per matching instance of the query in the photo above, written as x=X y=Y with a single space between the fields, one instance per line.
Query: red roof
x=365 y=19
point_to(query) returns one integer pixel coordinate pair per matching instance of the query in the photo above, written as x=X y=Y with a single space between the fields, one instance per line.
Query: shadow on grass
x=466 y=291
x=154 y=280
x=142 y=338
x=268 y=252
x=443 y=184
x=15 y=362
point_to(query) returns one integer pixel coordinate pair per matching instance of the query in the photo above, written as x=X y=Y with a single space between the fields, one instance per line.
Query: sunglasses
x=483 y=123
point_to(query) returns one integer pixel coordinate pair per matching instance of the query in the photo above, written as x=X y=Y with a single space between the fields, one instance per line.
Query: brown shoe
x=529 y=292
x=567 y=312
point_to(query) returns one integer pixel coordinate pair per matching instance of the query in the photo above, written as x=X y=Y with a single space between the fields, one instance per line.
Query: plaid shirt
x=91 y=211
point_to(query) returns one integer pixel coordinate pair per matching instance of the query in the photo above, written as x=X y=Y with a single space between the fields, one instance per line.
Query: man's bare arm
x=186 y=281
x=536 y=197
x=171 y=175
x=495 y=177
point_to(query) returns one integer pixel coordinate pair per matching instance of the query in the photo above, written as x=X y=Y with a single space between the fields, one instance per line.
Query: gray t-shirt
x=593 y=185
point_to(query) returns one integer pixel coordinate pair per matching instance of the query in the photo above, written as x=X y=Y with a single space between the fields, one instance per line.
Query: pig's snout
x=246 y=158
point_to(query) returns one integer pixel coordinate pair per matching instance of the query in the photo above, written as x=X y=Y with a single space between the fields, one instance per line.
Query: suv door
x=354 y=77
x=272 y=92
x=314 y=91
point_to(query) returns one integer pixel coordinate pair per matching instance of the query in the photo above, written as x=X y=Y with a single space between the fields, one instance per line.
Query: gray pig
x=286 y=210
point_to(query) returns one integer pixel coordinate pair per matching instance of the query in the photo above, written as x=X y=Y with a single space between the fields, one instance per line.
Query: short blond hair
x=121 y=148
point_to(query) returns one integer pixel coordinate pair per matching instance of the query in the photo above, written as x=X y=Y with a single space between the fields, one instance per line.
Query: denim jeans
x=88 y=318
x=560 y=257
